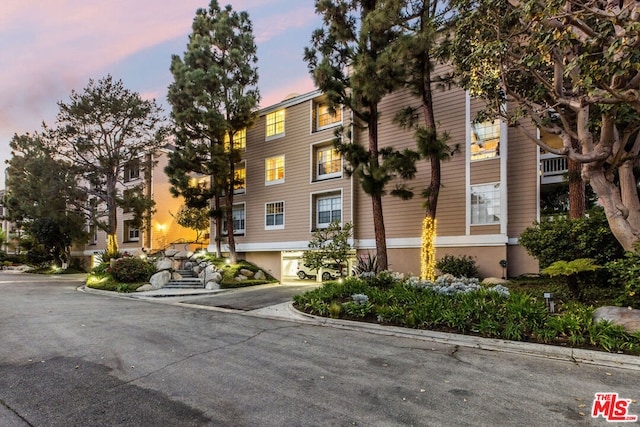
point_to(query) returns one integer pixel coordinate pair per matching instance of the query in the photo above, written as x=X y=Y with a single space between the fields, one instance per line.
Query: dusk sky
x=48 y=48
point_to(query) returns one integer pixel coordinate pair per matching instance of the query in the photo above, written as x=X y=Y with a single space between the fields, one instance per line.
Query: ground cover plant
x=462 y=305
x=125 y=274
x=231 y=271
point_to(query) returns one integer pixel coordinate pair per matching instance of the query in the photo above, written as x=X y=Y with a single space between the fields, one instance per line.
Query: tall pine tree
x=214 y=98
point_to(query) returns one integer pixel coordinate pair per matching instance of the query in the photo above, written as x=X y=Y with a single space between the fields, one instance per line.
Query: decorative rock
x=212 y=285
x=494 y=281
x=209 y=270
x=247 y=273
x=260 y=275
x=627 y=317
x=240 y=278
x=176 y=276
x=145 y=288
x=170 y=252
x=183 y=255
x=188 y=265
x=196 y=269
x=215 y=277
x=164 y=264
x=160 y=279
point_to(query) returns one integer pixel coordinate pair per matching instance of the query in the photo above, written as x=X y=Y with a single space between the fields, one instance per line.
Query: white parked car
x=328 y=273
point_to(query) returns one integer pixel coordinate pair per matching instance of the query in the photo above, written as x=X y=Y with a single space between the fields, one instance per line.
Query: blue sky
x=49 y=48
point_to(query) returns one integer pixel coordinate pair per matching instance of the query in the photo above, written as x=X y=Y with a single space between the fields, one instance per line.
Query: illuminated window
x=240 y=178
x=239 y=140
x=274 y=170
x=328 y=163
x=485 y=140
x=274 y=216
x=327 y=118
x=275 y=124
x=485 y=204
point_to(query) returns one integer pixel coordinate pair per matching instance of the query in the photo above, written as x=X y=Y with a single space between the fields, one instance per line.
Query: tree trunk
x=231 y=240
x=577 y=192
x=380 y=234
x=218 y=225
x=626 y=232
x=577 y=196
x=112 y=215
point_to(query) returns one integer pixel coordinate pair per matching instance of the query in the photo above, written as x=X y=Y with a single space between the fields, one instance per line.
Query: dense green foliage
x=102 y=132
x=458 y=266
x=328 y=246
x=214 y=97
x=625 y=275
x=561 y=239
x=131 y=270
x=519 y=316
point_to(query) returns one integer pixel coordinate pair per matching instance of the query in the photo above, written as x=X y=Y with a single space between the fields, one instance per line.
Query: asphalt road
x=69 y=358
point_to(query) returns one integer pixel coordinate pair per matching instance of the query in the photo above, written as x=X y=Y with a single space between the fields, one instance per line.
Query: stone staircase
x=188 y=281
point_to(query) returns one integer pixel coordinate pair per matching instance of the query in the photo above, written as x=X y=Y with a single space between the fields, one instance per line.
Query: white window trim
x=276 y=135
x=500 y=219
x=322 y=225
x=275 y=181
x=329 y=126
x=315 y=148
x=313 y=198
x=242 y=232
x=128 y=230
x=278 y=226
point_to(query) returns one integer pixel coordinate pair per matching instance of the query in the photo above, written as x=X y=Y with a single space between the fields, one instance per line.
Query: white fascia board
x=441 y=242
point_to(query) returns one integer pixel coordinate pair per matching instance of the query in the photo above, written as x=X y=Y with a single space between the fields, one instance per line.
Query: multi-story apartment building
x=295 y=184
x=163 y=232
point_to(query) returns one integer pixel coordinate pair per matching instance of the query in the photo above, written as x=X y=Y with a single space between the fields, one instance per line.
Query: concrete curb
x=575 y=355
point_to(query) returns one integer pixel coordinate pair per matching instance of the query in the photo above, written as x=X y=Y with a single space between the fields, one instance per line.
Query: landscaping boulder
x=145 y=288
x=627 y=317
x=215 y=277
x=160 y=279
x=188 y=265
x=176 y=276
x=183 y=255
x=246 y=273
x=212 y=285
x=260 y=275
x=196 y=270
x=164 y=264
x=170 y=252
x=240 y=278
x=494 y=281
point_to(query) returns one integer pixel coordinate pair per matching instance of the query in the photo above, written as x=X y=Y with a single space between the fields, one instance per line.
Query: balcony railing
x=552 y=168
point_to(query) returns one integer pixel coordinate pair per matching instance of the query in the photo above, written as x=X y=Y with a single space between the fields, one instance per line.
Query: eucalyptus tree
x=43 y=196
x=351 y=60
x=214 y=99
x=104 y=132
x=572 y=68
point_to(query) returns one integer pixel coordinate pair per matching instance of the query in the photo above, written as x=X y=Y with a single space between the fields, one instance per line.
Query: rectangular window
x=485 y=140
x=131 y=233
x=275 y=124
x=132 y=171
x=274 y=216
x=485 y=204
x=328 y=209
x=274 y=170
x=240 y=178
x=326 y=118
x=239 y=140
x=239 y=216
x=328 y=163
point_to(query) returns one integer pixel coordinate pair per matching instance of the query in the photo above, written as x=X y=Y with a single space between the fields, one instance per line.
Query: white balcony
x=552 y=168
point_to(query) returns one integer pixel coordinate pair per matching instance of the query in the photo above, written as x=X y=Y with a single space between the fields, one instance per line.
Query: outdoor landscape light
x=548 y=300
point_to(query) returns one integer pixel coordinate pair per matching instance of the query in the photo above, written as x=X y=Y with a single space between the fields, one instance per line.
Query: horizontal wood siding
x=296 y=190
x=485 y=171
x=523 y=176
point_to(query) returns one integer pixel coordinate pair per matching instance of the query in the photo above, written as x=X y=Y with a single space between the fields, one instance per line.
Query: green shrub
x=458 y=266
x=131 y=270
x=625 y=276
x=561 y=239
x=366 y=264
